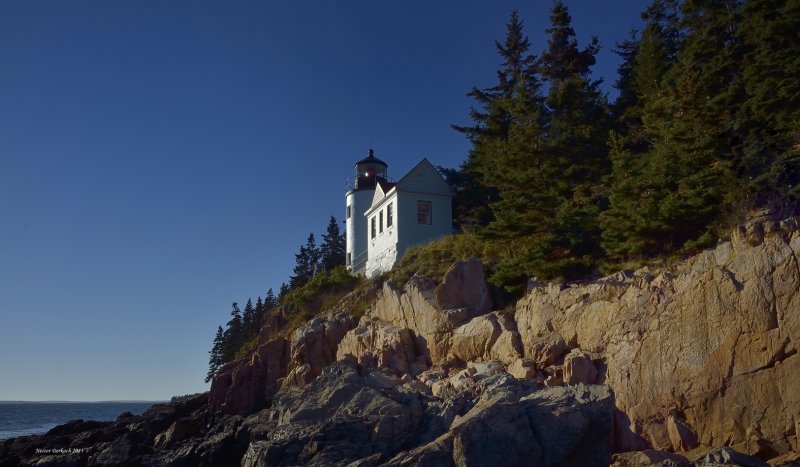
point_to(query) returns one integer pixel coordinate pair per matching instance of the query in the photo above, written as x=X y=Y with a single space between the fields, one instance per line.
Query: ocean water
x=33 y=418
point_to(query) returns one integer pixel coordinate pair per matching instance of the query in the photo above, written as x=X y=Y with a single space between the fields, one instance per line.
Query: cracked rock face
x=705 y=353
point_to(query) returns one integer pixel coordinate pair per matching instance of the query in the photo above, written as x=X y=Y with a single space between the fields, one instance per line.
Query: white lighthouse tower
x=360 y=191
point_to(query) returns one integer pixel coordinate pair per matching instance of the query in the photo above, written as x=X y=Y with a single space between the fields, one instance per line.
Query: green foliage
x=216 y=358
x=307 y=260
x=319 y=293
x=769 y=117
x=492 y=123
x=434 y=258
x=184 y=397
x=506 y=260
x=232 y=337
x=332 y=250
x=546 y=164
x=246 y=347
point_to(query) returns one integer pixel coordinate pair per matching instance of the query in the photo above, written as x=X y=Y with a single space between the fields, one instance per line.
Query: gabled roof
x=382 y=190
x=423 y=178
x=385 y=185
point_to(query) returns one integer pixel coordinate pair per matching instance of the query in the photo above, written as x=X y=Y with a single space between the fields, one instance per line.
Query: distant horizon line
x=131 y=401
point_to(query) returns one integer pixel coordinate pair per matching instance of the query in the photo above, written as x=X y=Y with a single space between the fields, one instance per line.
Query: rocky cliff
x=696 y=362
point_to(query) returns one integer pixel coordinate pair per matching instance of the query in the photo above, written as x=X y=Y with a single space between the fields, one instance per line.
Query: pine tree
x=248 y=320
x=270 y=301
x=215 y=359
x=332 y=250
x=233 y=333
x=575 y=143
x=658 y=46
x=307 y=260
x=474 y=192
x=769 y=116
x=283 y=290
x=625 y=107
x=260 y=312
x=675 y=190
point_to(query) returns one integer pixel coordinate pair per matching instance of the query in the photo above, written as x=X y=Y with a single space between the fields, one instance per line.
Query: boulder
x=178 y=431
x=649 y=458
x=464 y=286
x=415 y=307
x=433 y=311
x=726 y=456
x=314 y=346
x=489 y=337
x=573 y=424
x=579 y=368
x=522 y=368
x=377 y=344
x=680 y=435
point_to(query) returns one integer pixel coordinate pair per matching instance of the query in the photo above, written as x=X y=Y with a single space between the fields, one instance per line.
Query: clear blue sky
x=159 y=160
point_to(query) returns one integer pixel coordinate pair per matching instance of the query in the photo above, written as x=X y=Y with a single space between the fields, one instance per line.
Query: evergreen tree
x=284 y=289
x=260 y=312
x=248 y=320
x=658 y=46
x=675 y=191
x=624 y=108
x=769 y=117
x=307 y=261
x=233 y=333
x=270 y=301
x=491 y=123
x=575 y=143
x=215 y=359
x=332 y=250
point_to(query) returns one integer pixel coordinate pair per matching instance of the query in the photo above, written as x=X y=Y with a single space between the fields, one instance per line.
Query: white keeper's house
x=384 y=218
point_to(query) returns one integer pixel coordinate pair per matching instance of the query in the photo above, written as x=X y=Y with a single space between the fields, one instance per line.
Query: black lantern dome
x=369 y=170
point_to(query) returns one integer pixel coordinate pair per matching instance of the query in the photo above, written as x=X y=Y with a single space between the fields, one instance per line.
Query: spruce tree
x=283 y=290
x=769 y=117
x=332 y=250
x=575 y=144
x=260 y=312
x=233 y=333
x=672 y=192
x=624 y=108
x=248 y=320
x=270 y=301
x=307 y=261
x=474 y=191
x=215 y=359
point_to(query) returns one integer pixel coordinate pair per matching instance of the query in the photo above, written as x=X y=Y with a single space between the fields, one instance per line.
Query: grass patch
x=433 y=259
x=320 y=293
x=246 y=348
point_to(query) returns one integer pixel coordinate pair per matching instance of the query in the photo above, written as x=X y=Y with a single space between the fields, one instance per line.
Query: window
x=389 y=215
x=372 y=229
x=380 y=222
x=349 y=258
x=424 y=212
x=349 y=211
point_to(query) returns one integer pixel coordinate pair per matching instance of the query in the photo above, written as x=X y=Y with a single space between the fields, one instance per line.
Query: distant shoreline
x=87 y=402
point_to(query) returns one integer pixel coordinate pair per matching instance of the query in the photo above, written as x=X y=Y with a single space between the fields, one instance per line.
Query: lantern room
x=368 y=170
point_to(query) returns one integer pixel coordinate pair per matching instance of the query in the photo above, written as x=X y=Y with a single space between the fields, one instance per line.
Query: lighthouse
x=369 y=171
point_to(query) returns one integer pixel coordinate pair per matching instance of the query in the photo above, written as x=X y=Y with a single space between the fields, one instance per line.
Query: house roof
x=385 y=185
x=423 y=178
x=424 y=167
